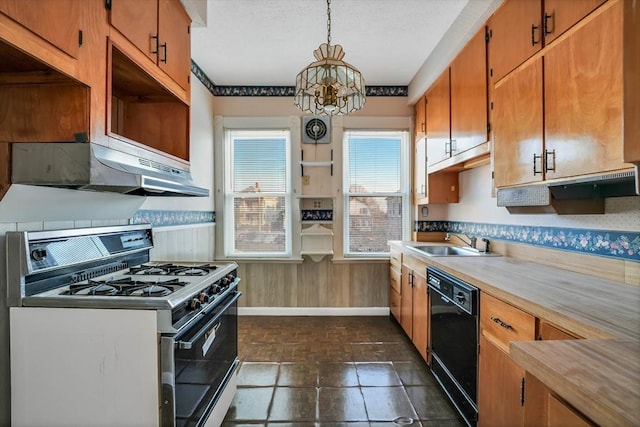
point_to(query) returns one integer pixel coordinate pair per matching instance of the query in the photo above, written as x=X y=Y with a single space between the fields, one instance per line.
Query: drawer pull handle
x=501 y=323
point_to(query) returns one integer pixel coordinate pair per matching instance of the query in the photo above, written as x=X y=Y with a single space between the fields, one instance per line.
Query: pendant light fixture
x=329 y=86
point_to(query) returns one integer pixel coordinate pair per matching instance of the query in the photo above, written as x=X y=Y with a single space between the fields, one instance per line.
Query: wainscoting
x=315 y=284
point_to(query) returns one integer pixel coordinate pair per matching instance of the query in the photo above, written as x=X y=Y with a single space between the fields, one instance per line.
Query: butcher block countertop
x=598 y=375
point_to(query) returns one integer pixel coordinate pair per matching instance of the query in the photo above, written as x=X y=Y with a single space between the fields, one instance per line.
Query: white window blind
x=257 y=199
x=375 y=191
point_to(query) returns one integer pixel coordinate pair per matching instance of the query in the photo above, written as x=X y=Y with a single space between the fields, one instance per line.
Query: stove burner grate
x=125 y=287
x=172 y=269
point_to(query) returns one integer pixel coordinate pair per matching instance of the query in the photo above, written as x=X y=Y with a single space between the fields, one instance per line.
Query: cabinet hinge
x=107 y=4
x=487 y=34
x=79 y=37
x=491 y=105
x=488 y=127
x=522 y=392
x=492 y=177
x=490 y=72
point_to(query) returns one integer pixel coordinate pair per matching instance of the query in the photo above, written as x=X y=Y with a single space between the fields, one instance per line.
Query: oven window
x=202 y=369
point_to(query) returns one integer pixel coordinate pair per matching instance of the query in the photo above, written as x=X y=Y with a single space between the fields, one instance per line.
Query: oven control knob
x=460 y=297
x=203 y=297
x=38 y=254
x=230 y=278
x=194 y=304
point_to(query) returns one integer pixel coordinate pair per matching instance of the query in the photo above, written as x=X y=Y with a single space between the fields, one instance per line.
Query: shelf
x=307 y=163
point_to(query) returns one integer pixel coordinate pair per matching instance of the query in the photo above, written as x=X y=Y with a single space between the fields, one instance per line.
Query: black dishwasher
x=454 y=340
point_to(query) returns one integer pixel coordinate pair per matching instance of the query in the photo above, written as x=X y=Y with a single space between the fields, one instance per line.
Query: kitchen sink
x=446 y=250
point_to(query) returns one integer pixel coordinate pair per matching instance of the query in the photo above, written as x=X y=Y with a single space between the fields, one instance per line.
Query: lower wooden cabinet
x=420 y=316
x=543 y=408
x=409 y=300
x=394 y=292
x=406 y=302
x=501 y=388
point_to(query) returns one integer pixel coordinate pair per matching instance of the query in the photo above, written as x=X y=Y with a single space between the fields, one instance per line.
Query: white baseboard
x=313 y=311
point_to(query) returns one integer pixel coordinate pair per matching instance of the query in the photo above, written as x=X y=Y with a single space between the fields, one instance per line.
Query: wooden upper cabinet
x=583 y=99
x=439 y=120
x=518 y=127
x=631 y=61
x=57 y=22
x=137 y=20
x=515 y=34
x=161 y=30
x=469 y=95
x=560 y=15
x=420 y=118
x=175 y=41
x=419 y=172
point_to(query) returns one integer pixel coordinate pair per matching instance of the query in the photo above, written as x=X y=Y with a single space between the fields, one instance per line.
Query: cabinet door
x=469 y=95
x=406 y=302
x=632 y=85
x=583 y=99
x=420 y=173
x=439 y=120
x=420 y=118
x=562 y=415
x=500 y=388
x=518 y=127
x=137 y=20
x=560 y=15
x=548 y=332
x=174 y=55
x=58 y=21
x=394 y=303
x=515 y=35
x=420 y=314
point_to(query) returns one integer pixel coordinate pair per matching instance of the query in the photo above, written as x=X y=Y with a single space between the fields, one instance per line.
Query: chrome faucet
x=471 y=242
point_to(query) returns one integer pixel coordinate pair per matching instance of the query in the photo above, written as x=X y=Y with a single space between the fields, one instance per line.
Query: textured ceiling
x=267 y=42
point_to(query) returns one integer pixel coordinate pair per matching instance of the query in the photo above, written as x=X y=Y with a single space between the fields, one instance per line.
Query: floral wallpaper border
x=316 y=214
x=288 y=91
x=615 y=244
x=163 y=218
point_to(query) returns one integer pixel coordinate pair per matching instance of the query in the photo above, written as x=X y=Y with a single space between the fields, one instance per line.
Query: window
x=376 y=191
x=257 y=193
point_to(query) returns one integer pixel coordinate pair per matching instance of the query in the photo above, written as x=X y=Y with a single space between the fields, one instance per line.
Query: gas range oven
x=80 y=286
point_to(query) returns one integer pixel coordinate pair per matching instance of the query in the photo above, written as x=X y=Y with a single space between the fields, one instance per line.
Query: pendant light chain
x=329 y=22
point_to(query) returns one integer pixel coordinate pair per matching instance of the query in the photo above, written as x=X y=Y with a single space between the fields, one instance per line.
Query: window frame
x=404 y=193
x=229 y=243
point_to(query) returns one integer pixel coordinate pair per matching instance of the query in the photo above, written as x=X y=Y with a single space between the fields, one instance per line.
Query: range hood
x=88 y=166
x=571 y=197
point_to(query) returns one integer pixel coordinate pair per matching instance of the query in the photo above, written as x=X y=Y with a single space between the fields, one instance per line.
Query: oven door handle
x=188 y=345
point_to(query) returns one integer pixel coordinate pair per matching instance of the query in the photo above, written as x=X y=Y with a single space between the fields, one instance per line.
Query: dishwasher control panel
x=452 y=288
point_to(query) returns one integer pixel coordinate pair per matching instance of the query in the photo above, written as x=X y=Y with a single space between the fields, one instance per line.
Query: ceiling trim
x=282 y=91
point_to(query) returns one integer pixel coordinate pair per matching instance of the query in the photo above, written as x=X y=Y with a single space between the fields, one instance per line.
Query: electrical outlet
x=306 y=180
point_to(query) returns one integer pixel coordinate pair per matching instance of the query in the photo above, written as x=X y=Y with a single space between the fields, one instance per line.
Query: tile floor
x=333 y=371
